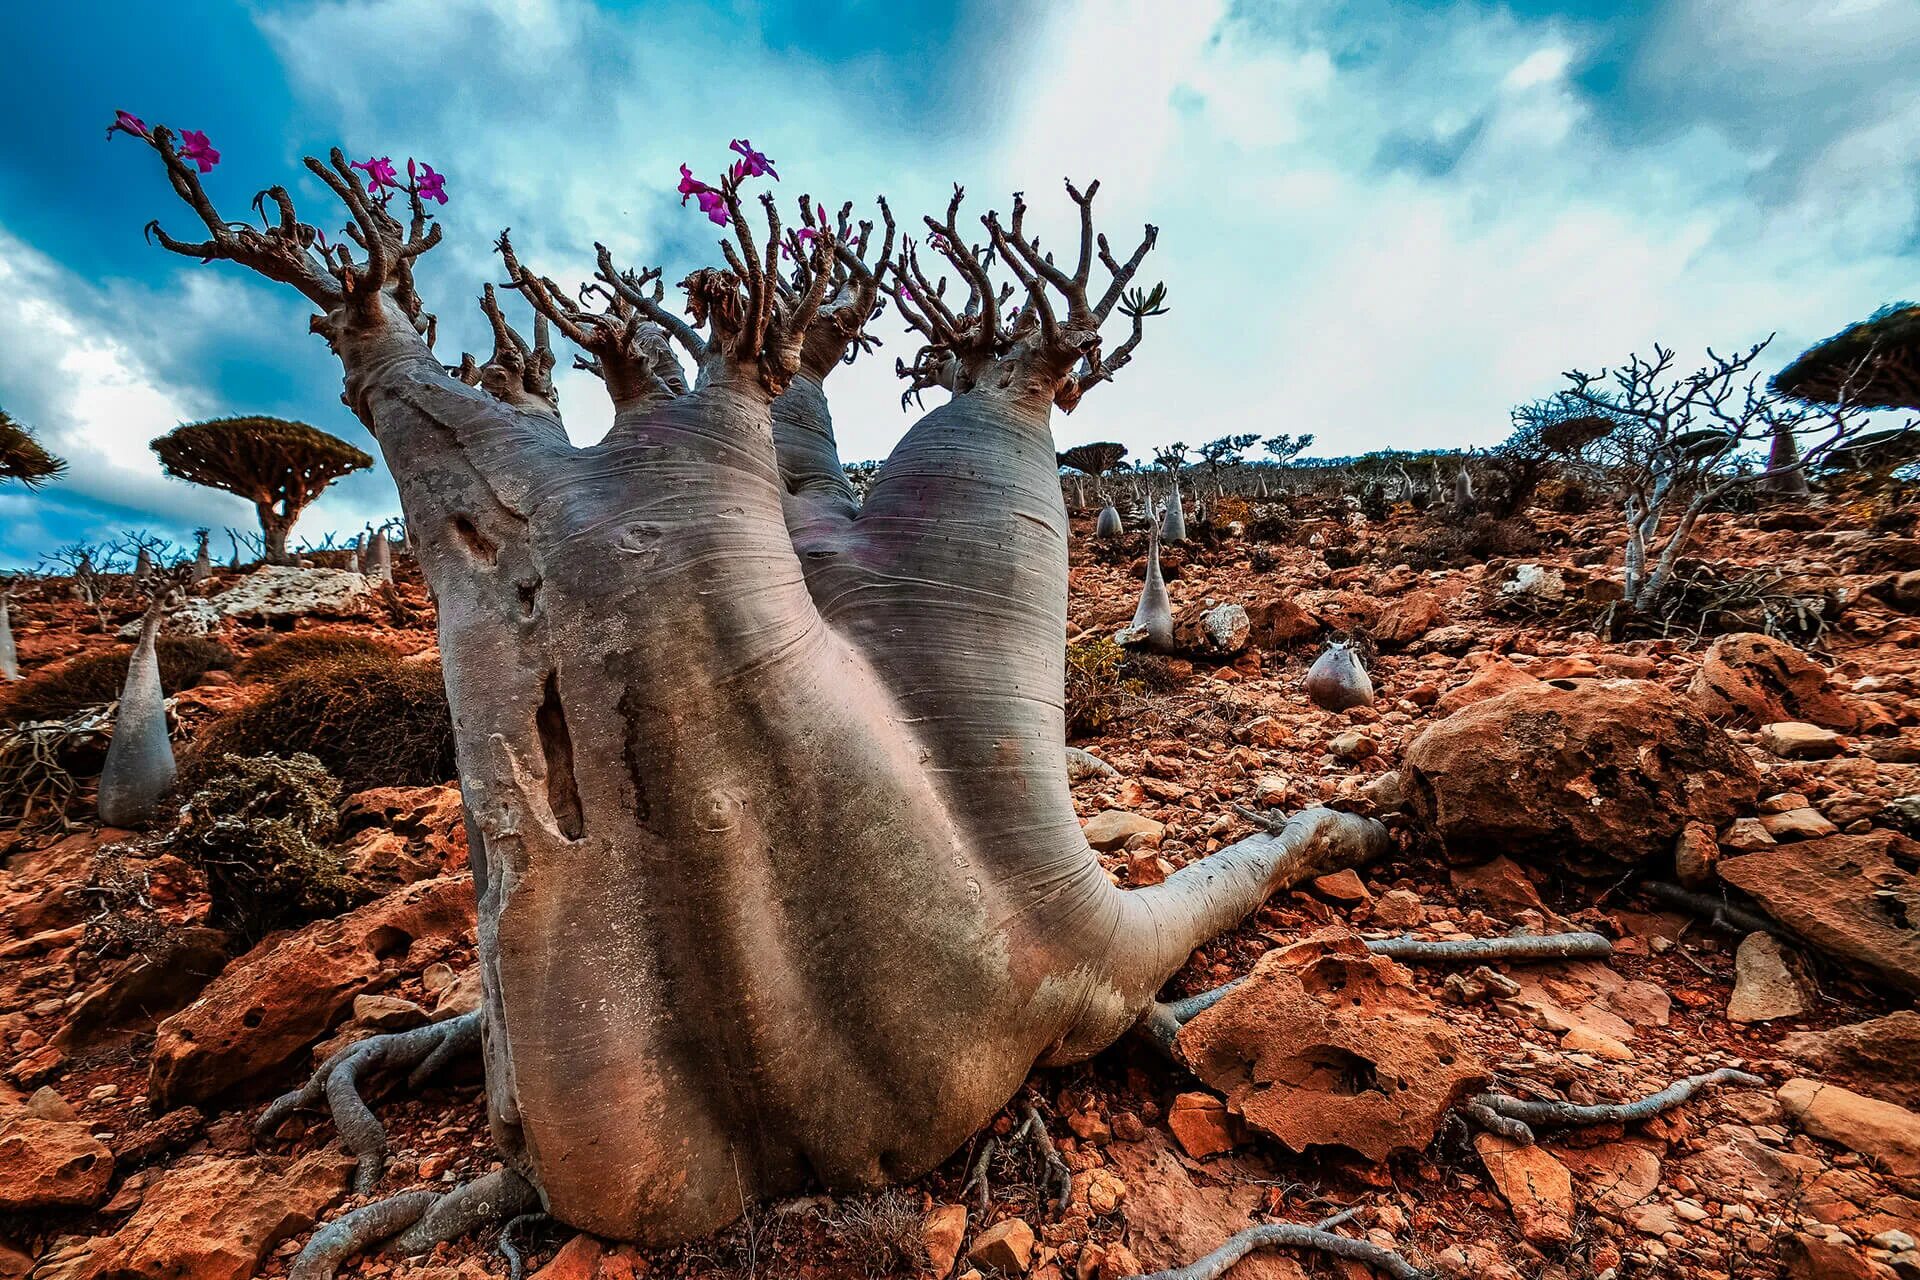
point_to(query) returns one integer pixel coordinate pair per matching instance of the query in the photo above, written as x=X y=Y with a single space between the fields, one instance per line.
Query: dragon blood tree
x=278 y=466
x=24 y=458
x=780 y=883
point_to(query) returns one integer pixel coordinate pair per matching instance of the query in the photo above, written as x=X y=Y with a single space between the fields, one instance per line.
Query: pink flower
x=126 y=122
x=690 y=185
x=714 y=206
x=199 y=150
x=752 y=164
x=428 y=184
x=382 y=180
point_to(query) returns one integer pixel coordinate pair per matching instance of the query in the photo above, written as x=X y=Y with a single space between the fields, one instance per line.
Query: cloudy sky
x=1382 y=221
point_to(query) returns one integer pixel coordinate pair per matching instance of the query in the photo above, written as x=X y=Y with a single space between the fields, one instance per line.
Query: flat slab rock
x=1845 y=895
x=276 y=591
x=1325 y=1044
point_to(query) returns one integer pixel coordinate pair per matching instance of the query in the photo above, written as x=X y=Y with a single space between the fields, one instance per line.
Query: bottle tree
x=780 y=882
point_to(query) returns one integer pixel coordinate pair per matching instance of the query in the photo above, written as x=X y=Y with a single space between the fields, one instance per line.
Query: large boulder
x=270 y=1004
x=277 y=592
x=1850 y=896
x=1753 y=679
x=1326 y=1044
x=1598 y=774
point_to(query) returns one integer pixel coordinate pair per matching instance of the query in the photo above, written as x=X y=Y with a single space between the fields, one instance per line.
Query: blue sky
x=1383 y=221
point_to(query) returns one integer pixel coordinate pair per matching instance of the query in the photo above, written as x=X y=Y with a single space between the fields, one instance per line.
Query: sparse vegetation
x=280 y=656
x=94 y=679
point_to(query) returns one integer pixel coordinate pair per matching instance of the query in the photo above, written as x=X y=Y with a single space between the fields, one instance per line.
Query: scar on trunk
x=563 y=795
x=478 y=545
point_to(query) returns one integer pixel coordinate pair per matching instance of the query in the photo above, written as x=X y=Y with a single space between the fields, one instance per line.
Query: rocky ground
x=1537 y=778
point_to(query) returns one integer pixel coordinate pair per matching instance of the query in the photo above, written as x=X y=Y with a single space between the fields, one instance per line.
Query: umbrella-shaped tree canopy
x=23 y=458
x=277 y=465
x=1871 y=365
x=1094 y=459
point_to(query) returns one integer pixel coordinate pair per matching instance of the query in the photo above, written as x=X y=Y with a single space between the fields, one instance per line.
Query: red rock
x=1845 y=895
x=1695 y=854
x=1282 y=622
x=218 y=1220
x=1536 y=1187
x=1172 y=1218
x=1882 y=1056
x=1343 y=886
x=1006 y=1246
x=1326 y=1044
x=1408 y=618
x=1755 y=679
x=1886 y=1134
x=1501 y=884
x=1497 y=677
x=1604 y=774
x=293 y=988
x=50 y=1164
x=1201 y=1123
x=1614 y=1175
x=944 y=1229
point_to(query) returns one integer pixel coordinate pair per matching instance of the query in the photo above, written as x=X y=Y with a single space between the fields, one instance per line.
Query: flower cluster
x=383 y=179
x=751 y=164
x=193 y=143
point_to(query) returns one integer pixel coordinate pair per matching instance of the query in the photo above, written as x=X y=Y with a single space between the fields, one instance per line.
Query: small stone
x=1535 y=1185
x=388 y=1013
x=1745 y=835
x=1888 y=1135
x=1006 y=1246
x=1111 y=828
x=1695 y=853
x=1765 y=986
x=1352 y=745
x=46 y=1103
x=944 y=1229
x=1797 y=740
x=1583 y=1039
x=1201 y=1124
x=1797 y=824
x=1105 y=1190
x=1344 y=887
x=1399 y=909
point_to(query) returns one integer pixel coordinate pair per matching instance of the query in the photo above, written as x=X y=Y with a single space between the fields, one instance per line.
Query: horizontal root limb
x=1512 y=1117
x=1716 y=911
x=415 y=1221
x=1292 y=1235
x=420 y=1052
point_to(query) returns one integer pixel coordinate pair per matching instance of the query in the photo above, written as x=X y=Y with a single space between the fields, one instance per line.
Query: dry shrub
x=122 y=919
x=885 y=1230
x=94 y=679
x=288 y=652
x=372 y=720
x=1448 y=543
x=259 y=830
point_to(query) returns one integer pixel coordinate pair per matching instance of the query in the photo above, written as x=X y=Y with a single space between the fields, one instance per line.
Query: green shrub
x=258 y=829
x=1102 y=687
x=94 y=679
x=288 y=652
x=372 y=720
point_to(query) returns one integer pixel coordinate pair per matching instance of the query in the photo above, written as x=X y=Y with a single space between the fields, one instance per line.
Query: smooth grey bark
x=1152 y=625
x=1783 y=459
x=1463 y=496
x=1108 y=523
x=780 y=879
x=382 y=556
x=139 y=766
x=203 y=562
x=9 y=655
x=1174 y=527
x=1337 y=680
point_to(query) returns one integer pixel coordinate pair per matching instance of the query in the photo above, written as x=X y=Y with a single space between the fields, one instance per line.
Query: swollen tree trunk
x=139 y=765
x=9 y=656
x=1174 y=528
x=203 y=563
x=1783 y=458
x=382 y=556
x=1152 y=625
x=1108 y=524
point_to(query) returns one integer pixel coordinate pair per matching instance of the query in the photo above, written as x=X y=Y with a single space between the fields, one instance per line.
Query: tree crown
x=24 y=458
x=258 y=458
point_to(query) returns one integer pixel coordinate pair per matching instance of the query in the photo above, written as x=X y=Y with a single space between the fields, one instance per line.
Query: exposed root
x=357 y=1232
x=1716 y=911
x=1520 y=946
x=421 y=1052
x=1293 y=1235
x=1514 y=1117
x=1032 y=1129
x=1165 y=1018
x=415 y=1221
x=1084 y=764
x=517 y=1261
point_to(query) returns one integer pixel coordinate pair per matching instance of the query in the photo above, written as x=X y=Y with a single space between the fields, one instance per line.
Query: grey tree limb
x=1519 y=946
x=1292 y=1235
x=1527 y=1112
